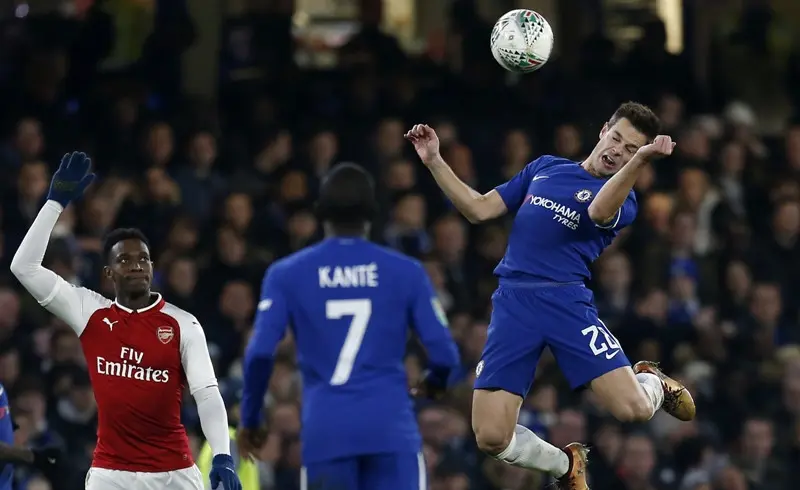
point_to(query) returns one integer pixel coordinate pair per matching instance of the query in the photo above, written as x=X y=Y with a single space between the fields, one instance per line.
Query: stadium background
x=210 y=123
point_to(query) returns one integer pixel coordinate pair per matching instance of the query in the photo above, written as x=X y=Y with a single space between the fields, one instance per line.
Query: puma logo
x=109 y=323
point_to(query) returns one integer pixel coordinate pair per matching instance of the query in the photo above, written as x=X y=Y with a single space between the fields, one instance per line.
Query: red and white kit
x=139 y=362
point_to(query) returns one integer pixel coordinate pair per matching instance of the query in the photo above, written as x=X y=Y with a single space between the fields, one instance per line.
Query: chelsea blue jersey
x=552 y=238
x=7 y=437
x=349 y=304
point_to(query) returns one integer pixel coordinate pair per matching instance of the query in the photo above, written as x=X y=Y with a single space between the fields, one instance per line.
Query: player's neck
x=135 y=302
x=343 y=231
x=587 y=165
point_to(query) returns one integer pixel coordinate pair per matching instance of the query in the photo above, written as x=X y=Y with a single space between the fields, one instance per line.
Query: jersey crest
x=165 y=334
x=583 y=195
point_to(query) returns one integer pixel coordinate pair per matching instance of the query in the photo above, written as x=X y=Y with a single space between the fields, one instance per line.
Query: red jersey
x=139 y=363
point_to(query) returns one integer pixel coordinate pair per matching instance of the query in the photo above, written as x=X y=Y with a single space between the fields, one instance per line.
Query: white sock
x=527 y=450
x=653 y=388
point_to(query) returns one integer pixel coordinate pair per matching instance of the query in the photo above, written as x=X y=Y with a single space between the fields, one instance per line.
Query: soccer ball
x=522 y=41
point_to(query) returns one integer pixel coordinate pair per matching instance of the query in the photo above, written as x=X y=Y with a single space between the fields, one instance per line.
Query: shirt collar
x=156 y=302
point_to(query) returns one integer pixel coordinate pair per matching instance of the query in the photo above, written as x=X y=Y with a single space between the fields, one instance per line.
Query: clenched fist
x=661 y=147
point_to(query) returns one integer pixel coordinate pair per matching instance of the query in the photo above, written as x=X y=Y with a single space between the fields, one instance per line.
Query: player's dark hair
x=640 y=116
x=122 y=234
x=347 y=196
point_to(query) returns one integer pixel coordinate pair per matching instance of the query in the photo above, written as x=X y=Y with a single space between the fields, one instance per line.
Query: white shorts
x=104 y=479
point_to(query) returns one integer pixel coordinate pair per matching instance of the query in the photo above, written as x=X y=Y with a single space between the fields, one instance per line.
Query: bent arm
x=476 y=207
x=71 y=304
x=608 y=201
x=430 y=322
x=270 y=326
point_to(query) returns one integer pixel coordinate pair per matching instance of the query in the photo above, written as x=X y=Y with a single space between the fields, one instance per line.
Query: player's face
x=617 y=145
x=130 y=267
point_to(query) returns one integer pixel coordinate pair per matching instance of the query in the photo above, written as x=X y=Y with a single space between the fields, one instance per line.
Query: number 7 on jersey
x=360 y=310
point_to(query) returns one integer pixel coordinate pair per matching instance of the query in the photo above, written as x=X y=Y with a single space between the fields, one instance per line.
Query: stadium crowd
x=706 y=280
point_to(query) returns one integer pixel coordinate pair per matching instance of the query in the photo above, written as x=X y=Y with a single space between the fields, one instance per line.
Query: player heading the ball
x=567 y=213
x=140 y=352
x=349 y=304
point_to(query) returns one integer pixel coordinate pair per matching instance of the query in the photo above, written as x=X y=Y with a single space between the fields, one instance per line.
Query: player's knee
x=494 y=417
x=492 y=439
x=635 y=409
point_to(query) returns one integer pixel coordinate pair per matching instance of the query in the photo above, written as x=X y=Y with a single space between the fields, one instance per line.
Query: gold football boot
x=575 y=478
x=678 y=401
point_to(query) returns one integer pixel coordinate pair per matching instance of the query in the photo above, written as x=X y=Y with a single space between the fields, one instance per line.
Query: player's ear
x=603 y=130
x=107 y=271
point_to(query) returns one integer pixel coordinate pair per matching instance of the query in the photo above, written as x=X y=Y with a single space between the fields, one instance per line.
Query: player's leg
x=660 y=390
x=186 y=479
x=503 y=378
x=589 y=354
x=336 y=474
x=393 y=471
x=494 y=421
x=103 y=479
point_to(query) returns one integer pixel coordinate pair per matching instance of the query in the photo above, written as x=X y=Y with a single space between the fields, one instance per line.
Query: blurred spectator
x=705 y=281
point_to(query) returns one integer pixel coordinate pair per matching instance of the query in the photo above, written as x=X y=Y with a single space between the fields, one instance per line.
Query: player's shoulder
x=551 y=161
x=294 y=260
x=90 y=299
x=286 y=266
x=183 y=318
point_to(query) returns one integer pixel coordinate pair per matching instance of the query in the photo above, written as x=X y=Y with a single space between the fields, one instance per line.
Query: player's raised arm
x=211 y=410
x=51 y=291
x=430 y=323
x=476 y=207
x=605 y=208
x=272 y=318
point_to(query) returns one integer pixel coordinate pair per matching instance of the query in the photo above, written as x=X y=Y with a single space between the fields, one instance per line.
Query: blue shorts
x=527 y=318
x=387 y=471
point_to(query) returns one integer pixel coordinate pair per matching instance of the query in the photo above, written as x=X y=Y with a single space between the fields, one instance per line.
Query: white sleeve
x=194 y=355
x=213 y=419
x=203 y=385
x=71 y=304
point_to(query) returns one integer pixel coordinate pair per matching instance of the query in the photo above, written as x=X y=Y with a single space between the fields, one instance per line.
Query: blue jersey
x=553 y=239
x=349 y=304
x=6 y=437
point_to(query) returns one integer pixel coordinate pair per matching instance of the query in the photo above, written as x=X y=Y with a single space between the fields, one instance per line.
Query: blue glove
x=71 y=178
x=223 y=472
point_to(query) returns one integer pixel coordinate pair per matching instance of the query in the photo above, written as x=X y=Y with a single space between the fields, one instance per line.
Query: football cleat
x=575 y=478
x=678 y=401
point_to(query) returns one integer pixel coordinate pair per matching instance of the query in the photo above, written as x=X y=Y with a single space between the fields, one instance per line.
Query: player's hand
x=250 y=441
x=425 y=142
x=661 y=147
x=45 y=459
x=430 y=386
x=71 y=178
x=223 y=473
